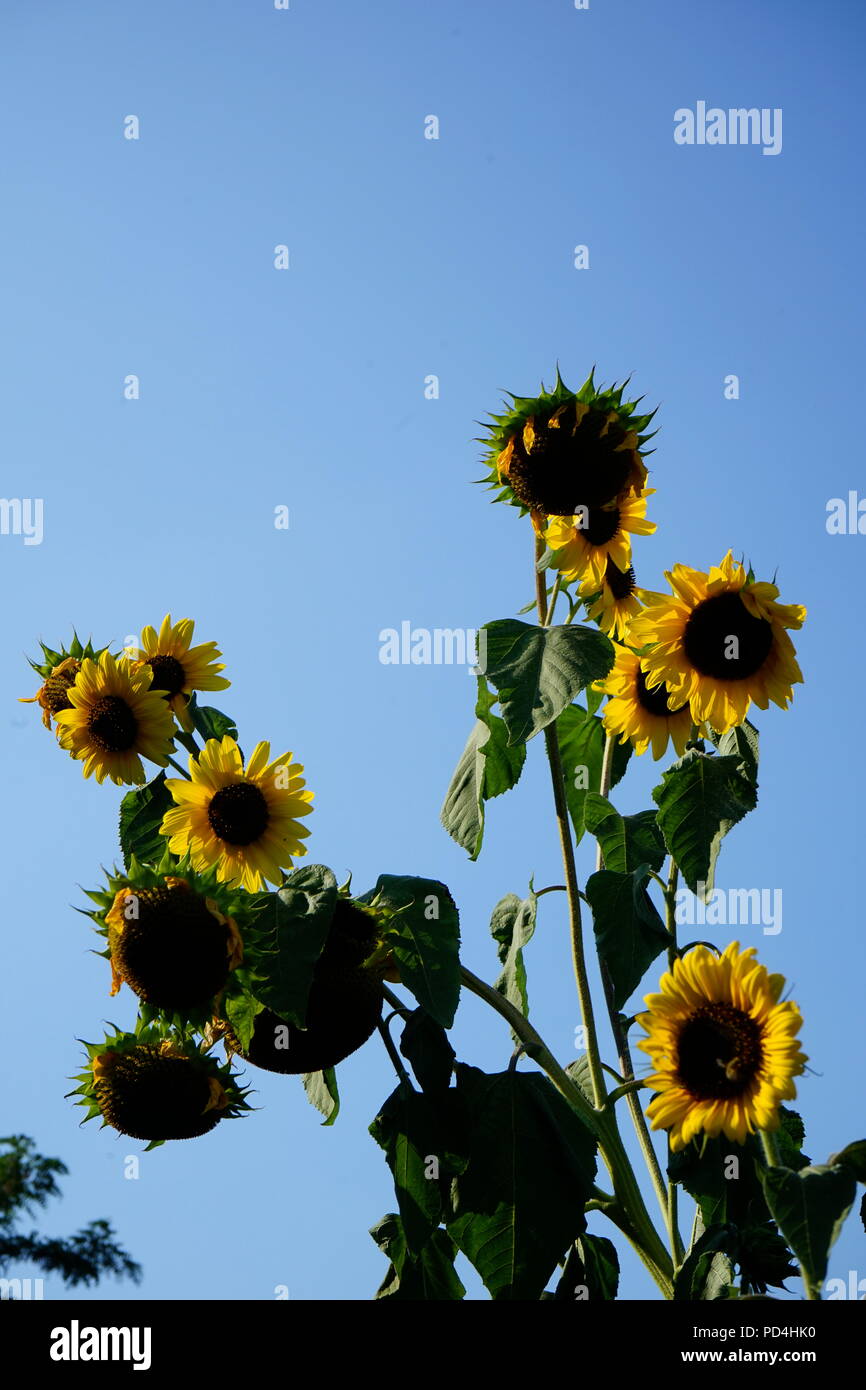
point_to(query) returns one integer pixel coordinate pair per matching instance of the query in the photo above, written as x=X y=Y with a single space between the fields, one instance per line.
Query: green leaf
x=210 y=722
x=520 y=1203
x=853 y=1156
x=707 y=1270
x=626 y=841
x=512 y=926
x=742 y=742
x=699 y=799
x=424 y=936
x=581 y=745
x=286 y=940
x=431 y=1276
x=629 y=932
x=810 y=1208
x=322 y=1092
x=141 y=813
x=424 y=1043
x=591 y=1270
x=537 y=672
x=420 y=1137
x=487 y=768
x=241 y=1010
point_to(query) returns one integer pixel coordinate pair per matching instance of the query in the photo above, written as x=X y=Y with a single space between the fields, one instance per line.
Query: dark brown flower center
x=621 y=583
x=569 y=464
x=53 y=695
x=598 y=525
x=654 y=701
x=238 y=814
x=168 y=674
x=723 y=640
x=112 y=726
x=719 y=1053
x=172 y=950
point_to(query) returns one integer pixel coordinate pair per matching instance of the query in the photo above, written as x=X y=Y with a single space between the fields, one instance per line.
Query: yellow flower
x=720 y=642
x=53 y=695
x=640 y=715
x=243 y=820
x=179 y=669
x=585 y=542
x=618 y=602
x=115 y=719
x=723 y=1048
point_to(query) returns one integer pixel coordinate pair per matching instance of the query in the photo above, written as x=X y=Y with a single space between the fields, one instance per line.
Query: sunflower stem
x=554 y=758
x=554 y=595
x=641 y=1231
x=619 y=1034
x=394 y=1055
x=178 y=767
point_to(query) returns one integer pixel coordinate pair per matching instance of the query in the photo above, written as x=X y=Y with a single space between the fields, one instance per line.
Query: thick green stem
x=619 y=1034
x=641 y=1231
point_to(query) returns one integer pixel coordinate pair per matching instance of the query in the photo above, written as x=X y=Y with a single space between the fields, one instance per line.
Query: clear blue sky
x=305 y=388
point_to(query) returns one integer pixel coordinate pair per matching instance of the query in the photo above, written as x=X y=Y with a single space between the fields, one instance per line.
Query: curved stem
x=620 y=1037
x=179 y=769
x=394 y=1055
x=554 y=758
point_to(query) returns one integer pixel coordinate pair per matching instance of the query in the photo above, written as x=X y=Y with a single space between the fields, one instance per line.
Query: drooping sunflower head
x=179 y=668
x=243 y=820
x=561 y=450
x=174 y=936
x=155 y=1086
x=58 y=672
x=114 y=720
x=634 y=713
x=616 y=603
x=723 y=1047
x=584 y=544
x=720 y=641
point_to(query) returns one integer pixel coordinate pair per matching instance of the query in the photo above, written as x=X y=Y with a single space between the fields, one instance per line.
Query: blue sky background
x=306 y=388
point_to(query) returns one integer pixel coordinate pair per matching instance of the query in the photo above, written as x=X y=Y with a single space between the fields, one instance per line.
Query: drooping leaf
x=322 y=1092
x=141 y=813
x=519 y=1204
x=853 y=1156
x=424 y=1043
x=626 y=841
x=241 y=1009
x=629 y=932
x=286 y=940
x=488 y=767
x=422 y=1140
x=512 y=926
x=537 y=672
x=708 y=1268
x=810 y=1207
x=429 y=1277
x=699 y=799
x=424 y=936
x=581 y=745
x=591 y=1271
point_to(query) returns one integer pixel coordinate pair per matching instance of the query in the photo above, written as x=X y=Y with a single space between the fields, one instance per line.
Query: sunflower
x=585 y=542
x=723 y=1049
x=639 y=715
x=552 y=453
x=720 y=642
x=242 y=820
x=179 y=669
x=616 y=604
x=58 y=672
x=113 y=718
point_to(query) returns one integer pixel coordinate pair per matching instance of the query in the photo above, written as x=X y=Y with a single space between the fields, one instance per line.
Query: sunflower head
x=615 y=603
x=244 y=820
x=155 y=1086
x=585 y=544
x=719 y=641
x=179 y=668
x=723 y=1047
x=561 y=450
x=173 y=935
x=58 y=671
x=638 y=715
x=115 y=720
